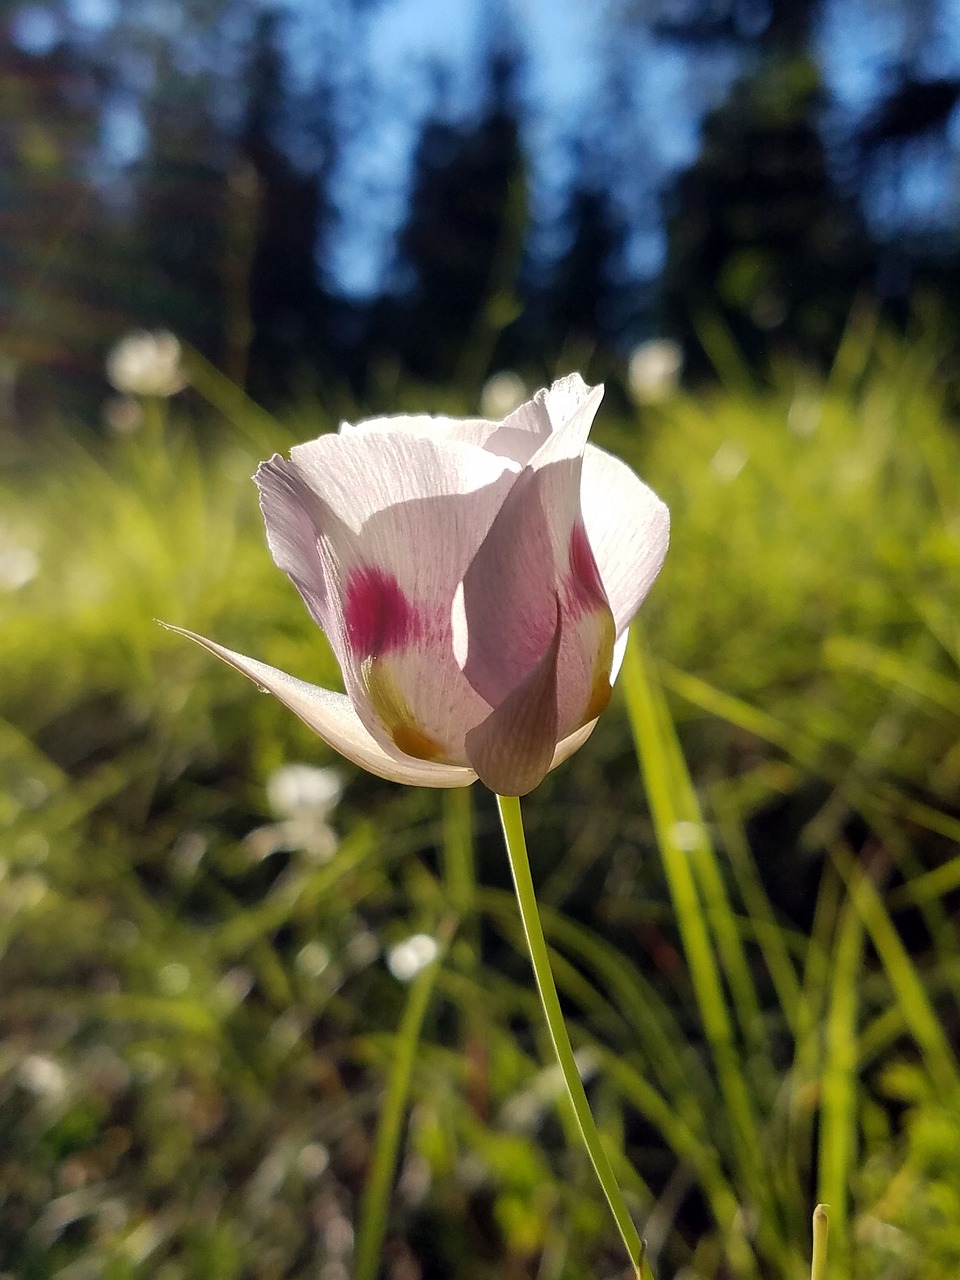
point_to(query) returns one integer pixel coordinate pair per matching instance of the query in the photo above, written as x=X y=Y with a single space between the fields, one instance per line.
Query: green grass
x=748 y=879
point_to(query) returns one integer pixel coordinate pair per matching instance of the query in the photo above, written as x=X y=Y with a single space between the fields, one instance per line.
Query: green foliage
x=756 y=949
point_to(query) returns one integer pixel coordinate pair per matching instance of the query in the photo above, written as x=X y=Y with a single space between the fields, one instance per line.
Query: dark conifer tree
x=182 y=198
x=53 y=308
x=460 y=245
x=757 y=229
x=286 y=199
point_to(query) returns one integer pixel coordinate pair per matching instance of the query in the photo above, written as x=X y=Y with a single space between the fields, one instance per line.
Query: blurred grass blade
x=257 y=427
x=769 y=934
x=458 y=870
x=919 y=1015
x=671 y=821
x=838 y=1106
x=375 y=1204
x=706 y=866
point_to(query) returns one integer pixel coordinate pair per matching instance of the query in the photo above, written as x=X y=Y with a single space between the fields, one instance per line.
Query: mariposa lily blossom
x=475 y=580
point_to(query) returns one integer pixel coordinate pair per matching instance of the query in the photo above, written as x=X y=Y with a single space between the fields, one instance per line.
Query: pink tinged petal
x=393 y=522
x=332 y=716
x=589 y=614
x=513 y=749
x=536 y=550
x=628 y=528
x=524 y=557
x=509 y=595
x=377 y=614
x=292 y=514
x=475 y=431
x=516 y=438
x=566 y=397
x=359 y=475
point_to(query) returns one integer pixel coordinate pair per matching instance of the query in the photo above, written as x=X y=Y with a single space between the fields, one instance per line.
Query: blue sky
x=385 y=69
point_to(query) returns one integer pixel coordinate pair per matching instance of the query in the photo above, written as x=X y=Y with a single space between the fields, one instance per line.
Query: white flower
x=654 y=370
x=299 y=790
x=409 y=957
x=502 y=393
x=475 y=579
x=146 y=364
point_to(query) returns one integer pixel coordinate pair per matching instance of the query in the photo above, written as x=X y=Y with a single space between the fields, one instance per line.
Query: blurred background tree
x=292 y=192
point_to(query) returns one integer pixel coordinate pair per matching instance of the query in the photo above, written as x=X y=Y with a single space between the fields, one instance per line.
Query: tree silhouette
x=756 y=228
x=460 y=244
x=182 y=196
x=288 y=207
x=579 y=302
x=54 y=308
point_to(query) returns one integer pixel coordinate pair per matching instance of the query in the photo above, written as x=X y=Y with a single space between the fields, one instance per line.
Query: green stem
x=821 y=1224
x=375 y=1205
x=512 y=821
x=458 y=850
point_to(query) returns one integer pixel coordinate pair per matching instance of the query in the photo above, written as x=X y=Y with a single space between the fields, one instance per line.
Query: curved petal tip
x=332 y=717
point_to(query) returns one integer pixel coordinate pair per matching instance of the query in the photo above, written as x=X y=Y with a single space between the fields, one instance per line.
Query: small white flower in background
x=301 y=797
x=122 y=414
x=146 y=364
x=526 y=1109
x=727 y=463
x=502 y=393
x=654 y=370
x=313 y=959
x=408 y=958
x=297 y=789
x=19 y=564
x=43 y=1077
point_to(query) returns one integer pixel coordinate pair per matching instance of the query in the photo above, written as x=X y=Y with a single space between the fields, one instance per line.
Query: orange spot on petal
x=599 y=699
x=412 y=741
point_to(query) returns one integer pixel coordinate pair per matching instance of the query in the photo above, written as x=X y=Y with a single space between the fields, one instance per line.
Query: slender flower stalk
x=512 y=822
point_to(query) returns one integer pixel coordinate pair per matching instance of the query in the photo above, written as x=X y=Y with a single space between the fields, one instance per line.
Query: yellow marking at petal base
x=601 y=692
x=599 y=698
x=412 y=741
x=394 y=711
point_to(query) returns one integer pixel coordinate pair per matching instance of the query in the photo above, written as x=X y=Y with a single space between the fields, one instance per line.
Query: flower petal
x=628 y=528
x=333 y=718
x=535 y=552
x=376 y=531
x=566 y=397
x=475 y=431
x=360 y=475
x=513 y=749
x=516 y=438
x=571 y=743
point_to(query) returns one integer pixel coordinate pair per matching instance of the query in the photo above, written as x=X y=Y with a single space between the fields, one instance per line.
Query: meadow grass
x=748 y=879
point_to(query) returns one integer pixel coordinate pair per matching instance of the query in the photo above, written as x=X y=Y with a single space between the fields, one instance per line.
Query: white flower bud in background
x=43 y=1077
x=146 y=364
x=502 y=393
x=409 y=957
x=301 y=798
x=19 y=563
x=123 y=414
x=653 y=373
x=297 y=789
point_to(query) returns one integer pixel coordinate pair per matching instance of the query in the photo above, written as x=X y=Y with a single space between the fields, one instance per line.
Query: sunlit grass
x=748 y=879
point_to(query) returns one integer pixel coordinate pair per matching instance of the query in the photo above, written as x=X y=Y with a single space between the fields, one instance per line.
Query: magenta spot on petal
x=584 y=588
x=378 y=616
